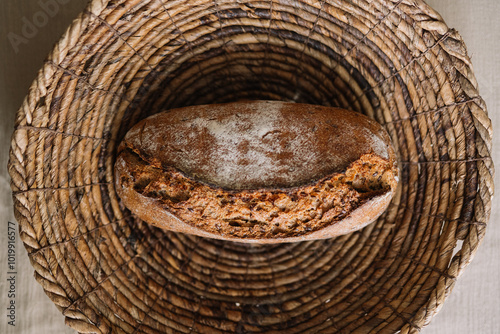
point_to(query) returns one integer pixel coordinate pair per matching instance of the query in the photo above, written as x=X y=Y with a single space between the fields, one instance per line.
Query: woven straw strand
x=121 y=61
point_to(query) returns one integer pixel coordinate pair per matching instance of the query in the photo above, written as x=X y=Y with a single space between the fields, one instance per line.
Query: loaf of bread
x=257 y=171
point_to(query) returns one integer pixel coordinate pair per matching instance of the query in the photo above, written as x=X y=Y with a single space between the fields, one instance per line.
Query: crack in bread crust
x=261 y=213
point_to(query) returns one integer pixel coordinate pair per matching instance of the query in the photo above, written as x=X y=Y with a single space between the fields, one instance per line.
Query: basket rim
x=461 y=259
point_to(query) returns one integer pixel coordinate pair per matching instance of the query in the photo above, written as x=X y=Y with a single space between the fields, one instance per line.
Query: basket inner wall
x=141 y=57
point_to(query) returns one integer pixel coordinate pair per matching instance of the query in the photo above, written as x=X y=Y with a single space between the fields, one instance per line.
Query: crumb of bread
x=263 y=213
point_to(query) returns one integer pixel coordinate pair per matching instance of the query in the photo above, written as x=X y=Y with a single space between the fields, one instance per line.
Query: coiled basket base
x=121 y=61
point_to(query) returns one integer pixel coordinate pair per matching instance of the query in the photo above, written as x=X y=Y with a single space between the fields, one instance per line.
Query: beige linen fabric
x=474 y=305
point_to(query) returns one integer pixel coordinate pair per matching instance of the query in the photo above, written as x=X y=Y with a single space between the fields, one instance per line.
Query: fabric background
x=473 y=306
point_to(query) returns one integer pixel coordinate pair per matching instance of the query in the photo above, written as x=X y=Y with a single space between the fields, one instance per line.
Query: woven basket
x=121 y=61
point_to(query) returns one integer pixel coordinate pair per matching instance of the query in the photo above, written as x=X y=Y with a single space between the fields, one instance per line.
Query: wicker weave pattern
x=121 y=61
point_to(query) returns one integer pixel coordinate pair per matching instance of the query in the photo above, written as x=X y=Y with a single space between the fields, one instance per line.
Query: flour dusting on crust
x=257 y=144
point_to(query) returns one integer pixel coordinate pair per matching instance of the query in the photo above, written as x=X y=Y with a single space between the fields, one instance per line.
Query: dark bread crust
x=349 y=181
x=257 y=144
